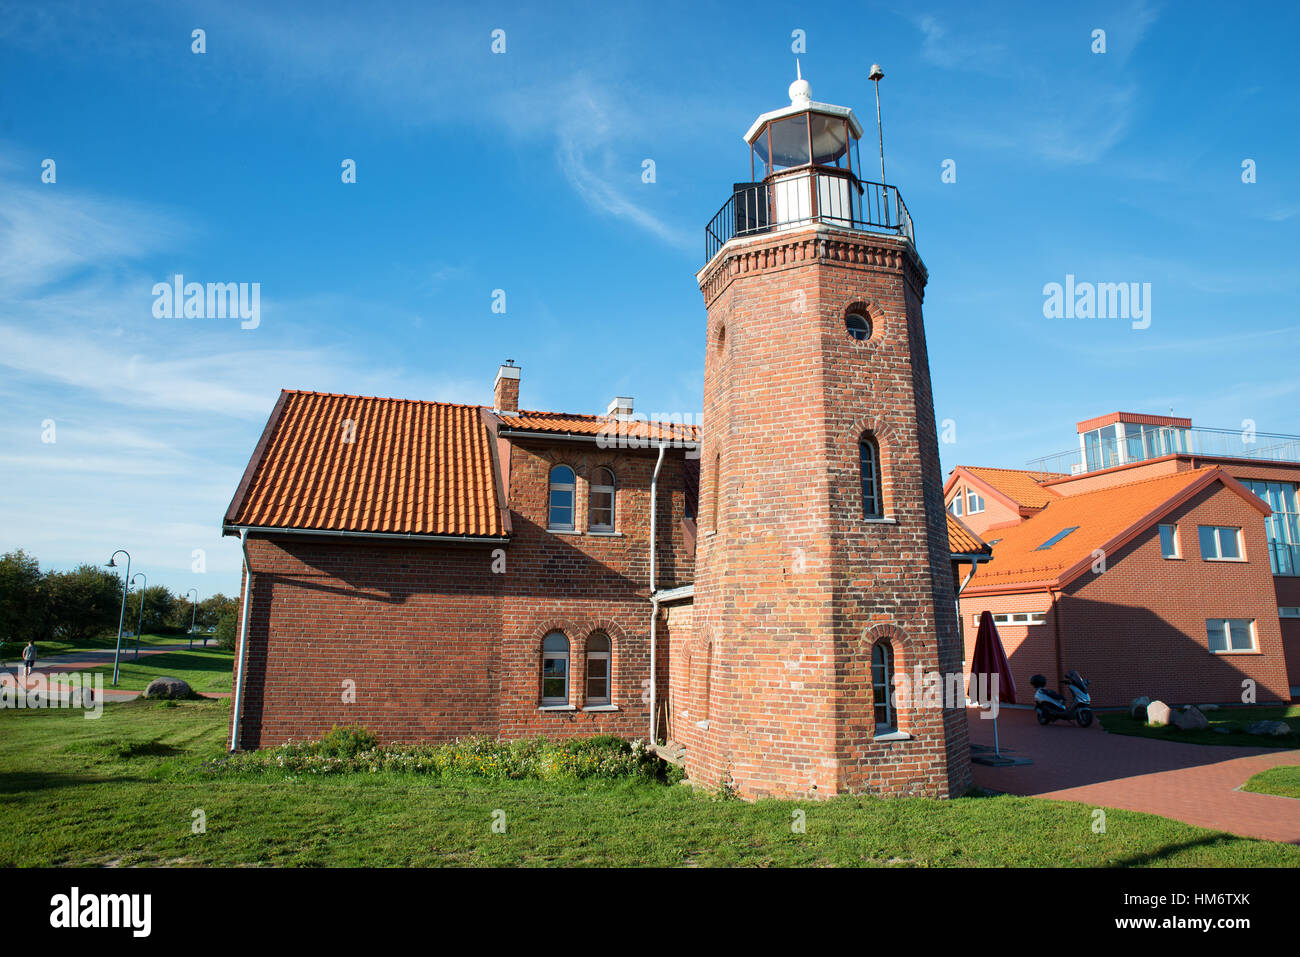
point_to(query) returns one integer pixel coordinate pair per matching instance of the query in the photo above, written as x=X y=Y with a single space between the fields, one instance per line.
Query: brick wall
x=436 y=643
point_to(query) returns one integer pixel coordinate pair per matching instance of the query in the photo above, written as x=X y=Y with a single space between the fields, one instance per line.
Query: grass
x=203 y=670
x=1284 y=781
x=1233 y=720
x=125 y=789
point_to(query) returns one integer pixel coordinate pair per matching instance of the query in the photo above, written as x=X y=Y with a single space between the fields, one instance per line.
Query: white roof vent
x=620 y=407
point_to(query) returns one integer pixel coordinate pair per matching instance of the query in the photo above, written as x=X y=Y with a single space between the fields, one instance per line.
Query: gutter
x=396 y=536
x=237 y=710
x=654 y=597
x=606 y=440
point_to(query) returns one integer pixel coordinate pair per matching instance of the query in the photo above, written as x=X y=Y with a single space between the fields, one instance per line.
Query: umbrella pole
x=997 y=751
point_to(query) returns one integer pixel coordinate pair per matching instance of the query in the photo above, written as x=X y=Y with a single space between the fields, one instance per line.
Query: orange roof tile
x=401 y=467
x=1020 y=486
x=562 y=422
x=961 y=540
x=1104 y=519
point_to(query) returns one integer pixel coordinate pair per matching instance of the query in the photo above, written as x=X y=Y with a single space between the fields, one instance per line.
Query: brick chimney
x=505 y=392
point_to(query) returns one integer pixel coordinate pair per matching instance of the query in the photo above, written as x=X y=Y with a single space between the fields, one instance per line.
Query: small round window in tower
x=858 y=325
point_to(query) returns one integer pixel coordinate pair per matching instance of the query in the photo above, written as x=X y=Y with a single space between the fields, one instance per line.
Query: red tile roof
x=563 y=422
x=961 y=540
x=411 y=468
x=1104 y=519
x=1019 y=487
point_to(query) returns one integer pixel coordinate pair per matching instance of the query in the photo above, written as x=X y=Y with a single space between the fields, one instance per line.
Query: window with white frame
x=1230 y=634
x=555 y=670
x=560 y=502
x=1220 y=543
x=882 y=683
x=601 y=511
x=1169 y=541
x=974 y=502
x=598 y=669
x=955 y=506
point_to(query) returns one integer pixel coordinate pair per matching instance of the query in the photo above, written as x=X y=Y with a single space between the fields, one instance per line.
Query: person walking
x=29 y=659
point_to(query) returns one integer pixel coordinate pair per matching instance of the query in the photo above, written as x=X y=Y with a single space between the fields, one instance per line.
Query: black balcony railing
x=787 y=201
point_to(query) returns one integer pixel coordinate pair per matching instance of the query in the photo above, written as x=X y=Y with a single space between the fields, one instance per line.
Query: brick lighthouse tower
x=822 y=565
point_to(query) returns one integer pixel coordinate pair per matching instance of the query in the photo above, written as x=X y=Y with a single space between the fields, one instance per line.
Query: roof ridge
x=1199 y=470
x=381 y=398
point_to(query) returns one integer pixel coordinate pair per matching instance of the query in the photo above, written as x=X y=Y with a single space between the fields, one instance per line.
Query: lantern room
x=805 y=167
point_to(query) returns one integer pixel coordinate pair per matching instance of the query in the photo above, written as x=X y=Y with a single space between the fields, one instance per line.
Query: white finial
x=800 y=89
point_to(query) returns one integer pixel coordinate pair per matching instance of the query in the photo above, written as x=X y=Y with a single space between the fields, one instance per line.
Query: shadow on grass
x=21 y=782
x=1156 y=855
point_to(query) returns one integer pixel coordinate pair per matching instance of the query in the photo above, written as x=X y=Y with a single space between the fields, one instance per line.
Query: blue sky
x=522 y=171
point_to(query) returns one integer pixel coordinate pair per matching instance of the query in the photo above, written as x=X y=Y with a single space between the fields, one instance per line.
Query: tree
x=83 y=603
x=227 y=627
x=23 y=610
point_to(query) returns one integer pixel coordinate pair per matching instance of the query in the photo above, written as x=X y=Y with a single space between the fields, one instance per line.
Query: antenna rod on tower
x=876 y=75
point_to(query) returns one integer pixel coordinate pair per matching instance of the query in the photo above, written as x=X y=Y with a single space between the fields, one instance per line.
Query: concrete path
x=1195 y=783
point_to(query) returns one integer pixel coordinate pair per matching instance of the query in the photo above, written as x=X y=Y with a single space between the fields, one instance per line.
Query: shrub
x=347 y=741
x=353 y=749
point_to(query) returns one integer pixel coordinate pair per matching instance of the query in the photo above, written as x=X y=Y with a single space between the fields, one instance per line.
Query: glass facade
x=1283 y=526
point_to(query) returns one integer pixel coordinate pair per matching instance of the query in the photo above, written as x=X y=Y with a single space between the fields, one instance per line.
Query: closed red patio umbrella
x=991 y=659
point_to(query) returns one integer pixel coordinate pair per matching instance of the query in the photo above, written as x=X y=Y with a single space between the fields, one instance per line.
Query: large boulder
x=1268 y=728
x=1191 y=719
x=1158 y=713
x=168 y=688
x=1137 y=708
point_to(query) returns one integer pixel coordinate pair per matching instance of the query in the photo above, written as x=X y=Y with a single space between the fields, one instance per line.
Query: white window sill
x=1229 y=560
x=564 y=531
x=702 y=724
x=557 y=707
x=604 y=534
x=893 y=736
x=601 y=707
x=887 y=520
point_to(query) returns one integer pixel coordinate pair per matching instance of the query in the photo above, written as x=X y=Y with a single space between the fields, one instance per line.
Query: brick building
x=434 y=570
x=1156 y=559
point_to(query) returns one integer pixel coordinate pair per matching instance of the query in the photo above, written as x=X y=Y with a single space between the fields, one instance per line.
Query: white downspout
x=654 y=601
x=243 y=644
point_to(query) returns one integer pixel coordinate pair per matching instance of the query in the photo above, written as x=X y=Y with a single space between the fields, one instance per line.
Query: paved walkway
x=1196 y=783
x=88 y=659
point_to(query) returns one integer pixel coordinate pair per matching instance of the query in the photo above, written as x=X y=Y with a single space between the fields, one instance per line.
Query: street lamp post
x=117 y=651
x=140 y=624
x=194 y=607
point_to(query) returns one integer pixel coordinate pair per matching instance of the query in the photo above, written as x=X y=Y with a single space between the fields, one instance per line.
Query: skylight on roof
x=1056 y=538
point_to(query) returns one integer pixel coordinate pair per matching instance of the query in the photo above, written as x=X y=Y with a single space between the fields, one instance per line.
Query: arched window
x=561 y=499
x=882 y=684
x=598 y=669
x=717 y=490
x=869 y=458
x=600 y=516
x=555 y=669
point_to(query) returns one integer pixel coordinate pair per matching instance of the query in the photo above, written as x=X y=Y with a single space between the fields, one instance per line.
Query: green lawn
x=125 y=789
x=1234 y=720
x=1284 y=780
x=202 y=670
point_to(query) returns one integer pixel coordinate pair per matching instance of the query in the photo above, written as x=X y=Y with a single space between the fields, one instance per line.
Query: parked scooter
x=1051 y=705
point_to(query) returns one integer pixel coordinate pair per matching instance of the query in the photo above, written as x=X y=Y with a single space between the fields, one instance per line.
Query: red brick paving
x=1195 y=783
